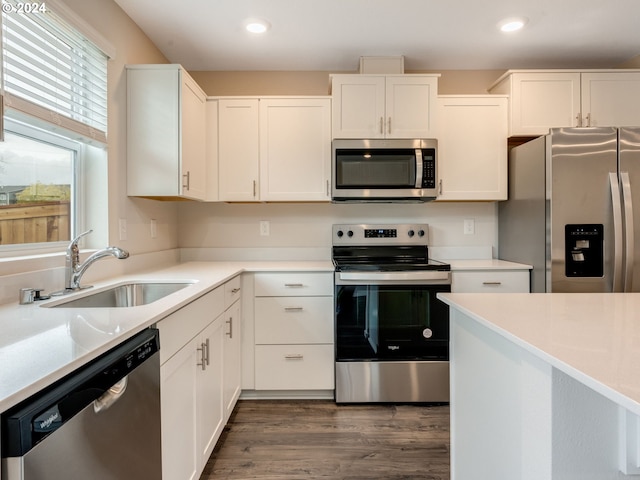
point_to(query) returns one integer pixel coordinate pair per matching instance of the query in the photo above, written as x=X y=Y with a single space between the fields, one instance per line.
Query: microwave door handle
x=419 y=168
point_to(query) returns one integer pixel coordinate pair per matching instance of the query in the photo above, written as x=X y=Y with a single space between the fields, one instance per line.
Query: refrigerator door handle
x=628 y=228
x=617 y=228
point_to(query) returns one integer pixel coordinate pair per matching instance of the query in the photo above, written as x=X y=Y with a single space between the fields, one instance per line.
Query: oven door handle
x=393 y=276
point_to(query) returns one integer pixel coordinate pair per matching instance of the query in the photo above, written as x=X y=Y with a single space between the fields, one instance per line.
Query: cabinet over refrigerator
x=570 y=210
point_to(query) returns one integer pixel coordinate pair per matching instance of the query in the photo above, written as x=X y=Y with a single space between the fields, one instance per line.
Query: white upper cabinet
x=274 y=149
x=543 y=99
x=611 y=99
x=384 y=106
x=472 y=147
x=238 y=149
x=295 y=149
x=166 y=133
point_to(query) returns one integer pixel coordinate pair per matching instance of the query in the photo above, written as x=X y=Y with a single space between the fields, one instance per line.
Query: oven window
x=391 y=322
x=361 y=168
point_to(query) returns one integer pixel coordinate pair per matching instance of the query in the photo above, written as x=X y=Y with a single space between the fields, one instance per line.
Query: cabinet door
x=472 y=148
x=410 y=106
x=232 y=376
x=611 y=99
x=358 y=106
x=541 y=100
x=153 y=128
x=209 y=389
x=238 y=149
x=295 y=149
x=178 y=393
x=193 y=128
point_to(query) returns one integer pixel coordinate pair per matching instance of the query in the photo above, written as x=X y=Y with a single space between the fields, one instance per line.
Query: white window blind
x=53 y=72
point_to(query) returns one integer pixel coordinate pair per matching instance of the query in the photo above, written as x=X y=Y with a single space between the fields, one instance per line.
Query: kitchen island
x=544 y=386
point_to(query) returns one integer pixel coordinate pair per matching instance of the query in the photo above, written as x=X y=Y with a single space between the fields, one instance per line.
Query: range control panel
x=364 y=234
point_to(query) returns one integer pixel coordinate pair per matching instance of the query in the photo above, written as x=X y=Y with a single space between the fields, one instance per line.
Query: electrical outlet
x=264 y=228
x=153 y=226
x=469 y=226
x=122 y=228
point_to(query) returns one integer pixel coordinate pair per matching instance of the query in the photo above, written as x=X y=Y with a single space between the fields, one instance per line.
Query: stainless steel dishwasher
x=100 y=422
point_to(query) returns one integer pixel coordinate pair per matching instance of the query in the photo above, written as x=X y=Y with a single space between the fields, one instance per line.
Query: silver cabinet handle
x=203 y=360
x=389 y=126
x=381 y=125
x=208 y=356
x=492 y=283
x=294 y=356
x=440 y=187
x=230 y=323
x=588 y=119
x=328 y=189
x=294 y=285
x=255 y=186
x=293 y=309
x=187 y=177
x=235 y=290
x=579 y=119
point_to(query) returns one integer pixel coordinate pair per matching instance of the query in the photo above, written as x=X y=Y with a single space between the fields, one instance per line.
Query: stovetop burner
x=383 y=248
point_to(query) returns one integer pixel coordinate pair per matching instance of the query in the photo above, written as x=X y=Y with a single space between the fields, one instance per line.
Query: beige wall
x=131 y=46
x=317 y=82
x=631 y=63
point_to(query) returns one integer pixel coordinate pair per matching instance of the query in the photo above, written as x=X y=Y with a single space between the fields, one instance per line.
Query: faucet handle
x=75 y=240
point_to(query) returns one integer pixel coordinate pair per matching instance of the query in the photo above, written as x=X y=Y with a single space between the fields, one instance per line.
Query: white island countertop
x=592 y=337
x=39 y=345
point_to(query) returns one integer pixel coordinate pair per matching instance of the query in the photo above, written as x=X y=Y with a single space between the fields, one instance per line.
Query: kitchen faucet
x=74 y=269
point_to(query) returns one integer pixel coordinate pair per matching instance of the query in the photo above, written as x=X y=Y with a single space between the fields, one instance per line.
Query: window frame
x=77 y=220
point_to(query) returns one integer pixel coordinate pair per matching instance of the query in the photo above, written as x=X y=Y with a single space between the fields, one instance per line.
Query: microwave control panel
x=429 y=168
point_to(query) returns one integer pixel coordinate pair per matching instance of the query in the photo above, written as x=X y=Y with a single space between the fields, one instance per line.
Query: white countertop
x=592 y=337
x=485 y=264
x=40 y=345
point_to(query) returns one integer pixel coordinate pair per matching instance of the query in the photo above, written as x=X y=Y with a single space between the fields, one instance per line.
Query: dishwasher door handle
x=111 y=396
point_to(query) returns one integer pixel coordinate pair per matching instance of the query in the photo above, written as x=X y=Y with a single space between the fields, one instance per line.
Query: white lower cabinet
x=200 y=379
x=231 y=348
x=294 y=334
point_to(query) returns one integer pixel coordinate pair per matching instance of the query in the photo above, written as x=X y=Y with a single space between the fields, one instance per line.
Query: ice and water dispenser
x=584 y=250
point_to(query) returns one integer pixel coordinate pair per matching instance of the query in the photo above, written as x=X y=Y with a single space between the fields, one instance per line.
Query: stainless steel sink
x=124 y=295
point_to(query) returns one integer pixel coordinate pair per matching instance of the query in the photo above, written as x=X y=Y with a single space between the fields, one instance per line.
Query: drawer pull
x=294 y=285
x=293 y=309
x=294 y=356
x=492 y=283
x=235 y=290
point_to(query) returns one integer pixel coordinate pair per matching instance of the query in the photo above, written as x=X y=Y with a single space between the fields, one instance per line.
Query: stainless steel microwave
x=381 y=170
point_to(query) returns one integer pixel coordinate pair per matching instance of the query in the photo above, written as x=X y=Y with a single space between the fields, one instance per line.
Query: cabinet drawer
x=291 y=320
x=294 y=367
x=293 y=284
x=180 y=327
x=487 y=281
x=231 y=291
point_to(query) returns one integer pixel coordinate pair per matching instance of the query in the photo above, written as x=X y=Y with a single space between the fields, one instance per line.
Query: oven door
x=391 y=316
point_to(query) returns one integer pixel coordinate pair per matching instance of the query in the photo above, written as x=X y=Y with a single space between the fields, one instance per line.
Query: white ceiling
x=331 y=35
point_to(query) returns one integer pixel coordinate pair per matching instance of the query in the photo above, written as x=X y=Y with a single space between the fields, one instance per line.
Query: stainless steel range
x=392 y=333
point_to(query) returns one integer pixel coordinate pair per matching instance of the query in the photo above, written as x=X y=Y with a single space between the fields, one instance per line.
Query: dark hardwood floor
x=284 y=440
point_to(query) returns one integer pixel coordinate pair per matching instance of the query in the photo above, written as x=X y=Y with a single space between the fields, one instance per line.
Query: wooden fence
x=34 y=223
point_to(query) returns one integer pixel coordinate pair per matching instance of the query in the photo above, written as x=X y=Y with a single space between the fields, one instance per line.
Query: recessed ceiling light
x=512 y=24
x=256 y=25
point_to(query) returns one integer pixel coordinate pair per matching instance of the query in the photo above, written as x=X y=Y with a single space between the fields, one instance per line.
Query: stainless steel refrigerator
x=571 y=211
